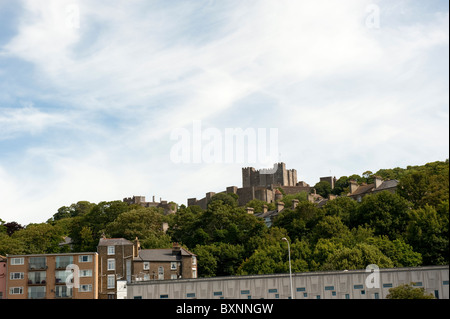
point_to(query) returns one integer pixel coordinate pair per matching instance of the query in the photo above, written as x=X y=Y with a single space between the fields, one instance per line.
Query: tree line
x=404 y=229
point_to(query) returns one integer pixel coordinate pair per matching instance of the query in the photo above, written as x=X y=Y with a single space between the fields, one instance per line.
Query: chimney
x=353 y=186
x=264 y=207
x=377 y=181
x=250 y=210
x=294 y=203
x=136 y=247
x=280 y=206
x=176 y=248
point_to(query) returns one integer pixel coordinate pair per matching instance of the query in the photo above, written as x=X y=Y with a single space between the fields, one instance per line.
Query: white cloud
x=129 y=74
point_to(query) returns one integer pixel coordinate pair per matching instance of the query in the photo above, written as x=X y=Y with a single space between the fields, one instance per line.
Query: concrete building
x=352 y=284
x=121 y=260
x=46 y=276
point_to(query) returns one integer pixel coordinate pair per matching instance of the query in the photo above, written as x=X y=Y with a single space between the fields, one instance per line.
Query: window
x=63 y=292
x=63 y=261
x=161 y=273
x=173 y=276
x=36 y=292
x=377 y=295
x=301 y=289
x=162 y=297
x=194 y=273
x=37 y=263
x=445 y=282
x=329 y=287
x=137 y=297
x=305 y=294
x=217 y=293
x=111 y=281
x=318 y=297
x=111 y=264
x=37 y=277
x=16 y=261
x=333 y=293
x=173 y=265
x=111 y=250
x=245 y=292
x=146 y=265
x=16 y=290
x=85 y=272
x=86 y=258
x=387 y=285
x=347 y=296
x=358 y=287
x=86 y=288
x=194 y=260
x=16 y=275
x=273 y=290
x=190 y=295
x=363 y=292
x=417 y=284
x=277 y=296
x=61 y=276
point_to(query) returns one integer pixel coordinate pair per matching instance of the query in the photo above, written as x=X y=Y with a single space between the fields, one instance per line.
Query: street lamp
x=290 y=271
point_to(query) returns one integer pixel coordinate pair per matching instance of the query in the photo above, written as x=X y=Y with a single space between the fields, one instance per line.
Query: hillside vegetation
x=406 y=229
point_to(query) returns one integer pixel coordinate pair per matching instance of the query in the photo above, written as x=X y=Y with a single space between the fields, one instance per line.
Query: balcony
x=37 y=263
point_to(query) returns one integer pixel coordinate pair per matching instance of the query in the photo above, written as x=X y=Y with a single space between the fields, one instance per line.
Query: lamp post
x=290 y=271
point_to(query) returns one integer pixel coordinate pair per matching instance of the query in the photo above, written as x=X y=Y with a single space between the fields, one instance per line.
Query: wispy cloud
x=105 y=83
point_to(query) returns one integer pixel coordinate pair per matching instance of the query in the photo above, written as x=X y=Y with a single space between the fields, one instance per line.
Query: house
x=52 y=276
x=357 y=192
x=122 y=260
x=2 y=277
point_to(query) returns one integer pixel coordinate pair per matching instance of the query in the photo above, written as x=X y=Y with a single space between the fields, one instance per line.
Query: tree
x=323 y=188
x=12 y=227
x=40 y=238
x=300 y=221
x=407 y=291
x=343 y=207
x=386 y=212
x=230 y=199
x=144 y=223
x=427 y=232
x=357 y=257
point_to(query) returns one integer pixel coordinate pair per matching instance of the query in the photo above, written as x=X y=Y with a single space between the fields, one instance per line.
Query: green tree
x=343 y=207
x=408 y=291
x=427 y=232
x=386 y=212
x=323 y=188
x=40 y=238
x=300 y=221
x=357 y=257
x=207 y=263
x=144 y=223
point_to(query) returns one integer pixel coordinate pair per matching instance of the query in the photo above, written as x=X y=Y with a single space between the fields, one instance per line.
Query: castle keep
x=260 y=184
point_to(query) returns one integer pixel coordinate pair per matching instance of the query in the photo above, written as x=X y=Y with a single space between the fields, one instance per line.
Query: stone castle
x=260 y=184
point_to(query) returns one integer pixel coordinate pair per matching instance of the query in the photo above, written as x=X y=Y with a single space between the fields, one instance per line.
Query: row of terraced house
x=92 y=275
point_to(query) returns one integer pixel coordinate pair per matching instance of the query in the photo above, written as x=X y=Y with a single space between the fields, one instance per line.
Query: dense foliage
x=403 y=229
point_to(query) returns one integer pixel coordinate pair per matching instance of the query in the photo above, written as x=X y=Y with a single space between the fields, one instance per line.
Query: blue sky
x=90 y=92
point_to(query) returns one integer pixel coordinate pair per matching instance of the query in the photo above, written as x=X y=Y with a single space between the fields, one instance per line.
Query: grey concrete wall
x=313 y=285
